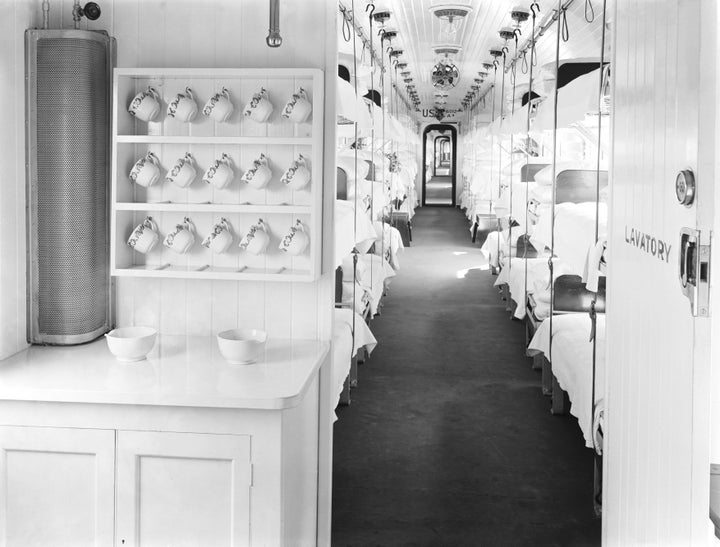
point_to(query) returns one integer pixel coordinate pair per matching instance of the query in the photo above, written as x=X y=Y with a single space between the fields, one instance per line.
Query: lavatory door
x=657 y=443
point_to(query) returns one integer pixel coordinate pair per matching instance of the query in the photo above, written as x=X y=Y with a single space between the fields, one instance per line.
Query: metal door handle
x=694 y=272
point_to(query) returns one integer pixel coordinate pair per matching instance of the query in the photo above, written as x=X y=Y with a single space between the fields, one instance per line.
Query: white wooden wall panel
x=17 y=15
x=157 y=33
x=228 y=34
x=655 y=481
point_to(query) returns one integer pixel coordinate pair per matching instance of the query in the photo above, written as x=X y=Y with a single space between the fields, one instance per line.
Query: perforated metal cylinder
x=69 y=81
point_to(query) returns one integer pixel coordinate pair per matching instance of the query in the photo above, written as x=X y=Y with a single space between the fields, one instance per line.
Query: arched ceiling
x=419 y=30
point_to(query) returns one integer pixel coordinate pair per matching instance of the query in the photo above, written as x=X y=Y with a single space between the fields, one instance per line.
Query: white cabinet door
x=183 y=489
x=56 y=486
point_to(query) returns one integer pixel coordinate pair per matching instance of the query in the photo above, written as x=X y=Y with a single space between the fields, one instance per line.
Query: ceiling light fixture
x=507 y=33
x=451 y=17
x=519 y=14
x=390 y=35
x=381 y=17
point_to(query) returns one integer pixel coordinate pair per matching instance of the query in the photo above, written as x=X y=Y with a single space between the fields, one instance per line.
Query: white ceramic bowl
x=131 y=343
x=241 y=346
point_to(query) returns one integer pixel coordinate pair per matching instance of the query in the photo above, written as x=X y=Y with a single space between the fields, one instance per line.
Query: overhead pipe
x=77 y=14
x=46 y=14
x=273 y=38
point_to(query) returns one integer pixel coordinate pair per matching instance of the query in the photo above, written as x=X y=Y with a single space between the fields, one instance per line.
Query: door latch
x=695 y=271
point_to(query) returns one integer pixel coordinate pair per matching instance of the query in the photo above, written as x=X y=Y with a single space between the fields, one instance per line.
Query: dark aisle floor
x=449 y=441
x=438 y=190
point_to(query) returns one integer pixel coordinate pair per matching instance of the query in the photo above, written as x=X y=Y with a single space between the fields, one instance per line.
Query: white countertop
x=179 y=371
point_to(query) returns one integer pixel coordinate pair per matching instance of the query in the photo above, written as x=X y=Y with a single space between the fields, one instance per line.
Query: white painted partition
x=183 y=34
x=656 y=470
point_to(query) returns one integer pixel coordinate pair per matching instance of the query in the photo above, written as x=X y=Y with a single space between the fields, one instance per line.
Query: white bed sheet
x=345 y=237
x=493 y=242
x=375 y=284
x=373 y=275
x=391 y=243
x=343 y=347
x=538 y=275
x=574 y=232
x=364 y=337
x=571 y=363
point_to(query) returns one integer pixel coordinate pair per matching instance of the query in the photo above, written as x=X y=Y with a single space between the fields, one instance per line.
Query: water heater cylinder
x=68 y=117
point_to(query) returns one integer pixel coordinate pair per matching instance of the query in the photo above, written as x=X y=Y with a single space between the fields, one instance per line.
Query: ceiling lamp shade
x=451 y=17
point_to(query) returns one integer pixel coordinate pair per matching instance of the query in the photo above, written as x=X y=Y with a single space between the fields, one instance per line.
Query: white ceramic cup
x=259 y=174
x=183 y=107
x=256 y=240
x=298 y=175
x=298 y=108
x=295 y=241
x=220 y=173
x=219 y=107
x=182 y=237
x=220 y=238
x=183 y=172
x=145 y=105
x=259 y=107
x=144 y=236
x=146 y=170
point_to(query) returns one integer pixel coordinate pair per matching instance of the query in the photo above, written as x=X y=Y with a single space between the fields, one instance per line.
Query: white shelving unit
x=243 y=140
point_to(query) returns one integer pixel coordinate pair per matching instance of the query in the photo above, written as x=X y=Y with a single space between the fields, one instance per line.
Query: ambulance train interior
x=349 y=273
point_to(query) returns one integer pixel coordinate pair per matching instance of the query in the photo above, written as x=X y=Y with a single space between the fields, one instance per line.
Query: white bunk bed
x=346 y=347
x=572 y=354
x=574 y=228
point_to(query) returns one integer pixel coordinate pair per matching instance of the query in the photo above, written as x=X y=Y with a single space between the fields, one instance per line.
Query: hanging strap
x=554 y=174
x=593 y=316
x=590 y=11
x=565 y=28
x=512 y=147
x=382 y=149
x=533 y=6
x=492 y=145
x=355 y=209
x=371 y=8
x=345 y=25
x=502 y=116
